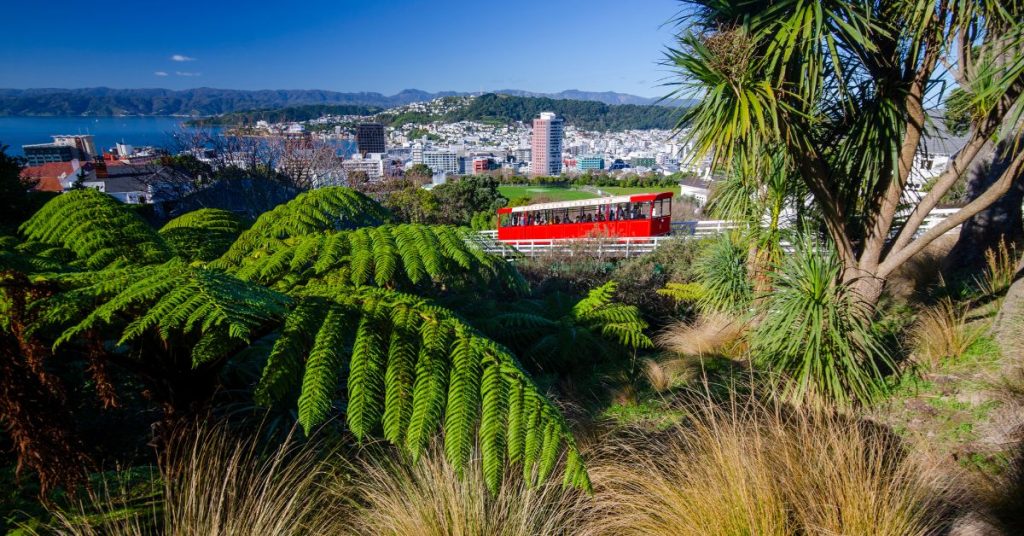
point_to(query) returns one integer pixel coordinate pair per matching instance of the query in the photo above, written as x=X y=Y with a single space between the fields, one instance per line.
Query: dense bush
x=336 y=306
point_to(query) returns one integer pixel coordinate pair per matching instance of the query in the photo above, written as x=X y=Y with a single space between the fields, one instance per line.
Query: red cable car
x=624 y=216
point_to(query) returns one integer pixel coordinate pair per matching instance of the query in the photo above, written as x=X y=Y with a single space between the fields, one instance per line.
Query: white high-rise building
x=446 y=162
x=546 y=146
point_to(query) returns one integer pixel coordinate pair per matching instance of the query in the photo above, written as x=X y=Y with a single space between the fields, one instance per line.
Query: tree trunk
x=1000 y=221
x=867 y=288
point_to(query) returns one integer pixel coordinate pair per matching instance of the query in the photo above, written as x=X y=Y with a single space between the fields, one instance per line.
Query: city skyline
x=452 y=45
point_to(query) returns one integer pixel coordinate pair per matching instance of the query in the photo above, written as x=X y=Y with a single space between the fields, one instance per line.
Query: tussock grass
x=215 y=484
x=942 y=334
x=1000 y=270
x=659 y=376
x=710 y=334
x=430 y=498
x=762 y=468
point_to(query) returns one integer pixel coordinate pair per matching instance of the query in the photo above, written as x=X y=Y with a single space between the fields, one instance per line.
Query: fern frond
x=463 y=398
x=549 y=450
x=281 y=373
x=177 y=298
x=596 y=299
x=316 y=211
x=494 y=395
x=684 y=292
x=362 y=256
x=203 y=234
x=400 y=376
x=414 y=366
x=323 y=369
x=430 y=385
x=517 y=421
x=98 y=229
x=534 y=434
x=386 y=256
x=366 y=376
x=405 y=238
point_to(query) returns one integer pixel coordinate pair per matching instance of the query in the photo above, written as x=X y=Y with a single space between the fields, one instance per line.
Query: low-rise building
x=58 y=176
x=696 y=189
x=63 y=148
x=371 y=164
x=590 y=163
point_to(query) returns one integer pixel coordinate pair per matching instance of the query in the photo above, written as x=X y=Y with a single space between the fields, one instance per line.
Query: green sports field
x=619 y=190
x=543 y=192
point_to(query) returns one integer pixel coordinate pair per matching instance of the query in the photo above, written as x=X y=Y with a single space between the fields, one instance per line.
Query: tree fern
x=324 y=209
x=169 y=299
x=398 y=257
x=556 y=330
x=472 y=385
x=98 y=229
x=203 y=234
x=313 y=282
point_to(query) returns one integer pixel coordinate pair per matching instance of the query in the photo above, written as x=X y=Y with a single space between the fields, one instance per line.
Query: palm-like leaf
x=815 y=331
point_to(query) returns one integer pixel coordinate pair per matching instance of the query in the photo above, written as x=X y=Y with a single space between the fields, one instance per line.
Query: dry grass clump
x=710 y=334
x=215 y=484
x=659 y=377
x=942 y=333
x=1000 y=270
x=764 y=469
x=430 y=498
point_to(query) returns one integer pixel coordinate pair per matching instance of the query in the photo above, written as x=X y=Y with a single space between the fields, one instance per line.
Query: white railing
x=572 y=247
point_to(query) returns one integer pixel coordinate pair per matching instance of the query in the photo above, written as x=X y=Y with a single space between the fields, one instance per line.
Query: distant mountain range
x=607 y=97
x=103 y=101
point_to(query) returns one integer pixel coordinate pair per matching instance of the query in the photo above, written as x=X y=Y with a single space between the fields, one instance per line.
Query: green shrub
x=814 y=331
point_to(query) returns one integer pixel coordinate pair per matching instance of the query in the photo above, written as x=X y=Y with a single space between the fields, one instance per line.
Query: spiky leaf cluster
x=325 y=209
x=203 y=234
x=816 y=331
x=97 y=229
x=413 y=367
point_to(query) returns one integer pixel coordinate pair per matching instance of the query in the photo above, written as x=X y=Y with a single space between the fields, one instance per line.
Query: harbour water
x=107 y=131
x=137 y=131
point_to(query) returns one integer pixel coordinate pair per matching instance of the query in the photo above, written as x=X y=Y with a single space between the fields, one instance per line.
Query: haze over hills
x=103 y=101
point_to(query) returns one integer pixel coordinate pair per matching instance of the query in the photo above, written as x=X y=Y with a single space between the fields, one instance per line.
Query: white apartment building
x=446 y=162
x=372 y=165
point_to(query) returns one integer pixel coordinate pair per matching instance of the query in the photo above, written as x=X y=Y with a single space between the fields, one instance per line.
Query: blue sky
x=341 y=45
